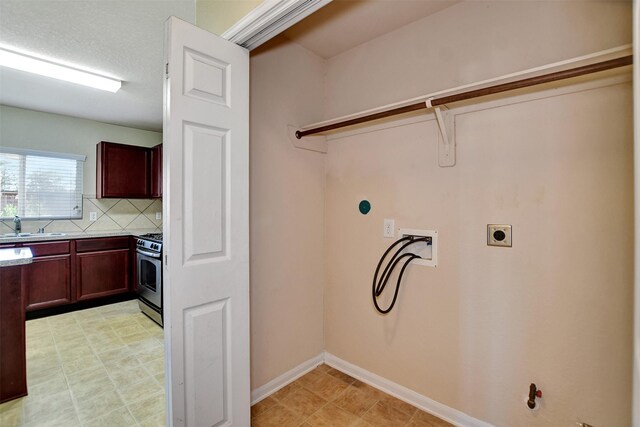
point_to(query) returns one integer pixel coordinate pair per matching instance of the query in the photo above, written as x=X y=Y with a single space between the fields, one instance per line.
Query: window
x=40 y=185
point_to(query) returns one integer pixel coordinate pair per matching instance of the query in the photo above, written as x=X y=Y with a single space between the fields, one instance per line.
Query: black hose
x=378 y=285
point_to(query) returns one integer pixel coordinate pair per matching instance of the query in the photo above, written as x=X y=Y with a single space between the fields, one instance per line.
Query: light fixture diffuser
x=31 y=64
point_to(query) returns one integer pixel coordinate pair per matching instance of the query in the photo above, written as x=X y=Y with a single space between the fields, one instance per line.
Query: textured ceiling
x=344 y=24
x=118 y=38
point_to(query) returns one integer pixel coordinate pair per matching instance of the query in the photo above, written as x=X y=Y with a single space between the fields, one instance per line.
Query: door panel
x=206 y=235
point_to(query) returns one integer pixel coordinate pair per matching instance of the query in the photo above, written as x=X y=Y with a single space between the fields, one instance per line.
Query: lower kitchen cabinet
x=64 y=272
x=104 y=269
x=47 y=280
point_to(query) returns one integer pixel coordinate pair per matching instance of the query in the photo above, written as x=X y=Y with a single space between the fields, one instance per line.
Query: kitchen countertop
x=74 y=236
x=15 y=256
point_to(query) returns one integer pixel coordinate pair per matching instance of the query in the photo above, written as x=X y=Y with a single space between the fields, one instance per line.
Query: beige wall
x=473 y=333
x=53 y=132
x=287 y=213
x=469 y=42
x=556 y=308
x=217 y=16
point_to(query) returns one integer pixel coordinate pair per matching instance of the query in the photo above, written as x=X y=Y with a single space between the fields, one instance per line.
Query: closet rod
x=517 y=84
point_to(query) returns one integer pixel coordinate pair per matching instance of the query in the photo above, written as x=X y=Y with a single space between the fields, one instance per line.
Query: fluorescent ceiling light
x=31 y=64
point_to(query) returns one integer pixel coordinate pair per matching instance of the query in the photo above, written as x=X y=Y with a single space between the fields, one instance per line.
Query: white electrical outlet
x=93 y=216
x=389 y=228
x=158 y=215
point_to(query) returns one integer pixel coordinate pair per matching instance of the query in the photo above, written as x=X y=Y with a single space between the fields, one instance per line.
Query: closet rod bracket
x=316 y=143
x=446 y=139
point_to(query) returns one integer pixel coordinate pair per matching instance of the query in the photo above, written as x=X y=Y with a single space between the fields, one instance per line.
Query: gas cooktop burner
x=152 y=236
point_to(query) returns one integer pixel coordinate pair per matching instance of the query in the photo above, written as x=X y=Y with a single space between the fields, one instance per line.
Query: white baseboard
x=411 y=397
x=288 y=377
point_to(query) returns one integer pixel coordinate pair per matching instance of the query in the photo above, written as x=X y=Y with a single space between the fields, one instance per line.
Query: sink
x=14 y=235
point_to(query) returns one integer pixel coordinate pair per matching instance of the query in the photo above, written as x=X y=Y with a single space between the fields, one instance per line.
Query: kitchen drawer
x=102 y=244
x=49 y=248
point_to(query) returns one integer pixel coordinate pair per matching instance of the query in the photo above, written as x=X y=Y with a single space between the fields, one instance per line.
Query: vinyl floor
x=328 y=397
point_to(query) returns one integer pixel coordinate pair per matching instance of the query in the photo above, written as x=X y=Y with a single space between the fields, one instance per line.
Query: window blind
x=40 y=185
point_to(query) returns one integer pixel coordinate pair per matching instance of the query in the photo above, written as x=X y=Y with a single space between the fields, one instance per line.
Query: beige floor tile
x=278 y=416
x=47 y=352
x=12 y=418
x=126 y=377
x=147 y=343
x=160 y=378
x=98 y=406
x=126 y=361
x=157 y=420
x=52 y=384
x=327 y=387
x=60 y=418
x=355 y=401
x=384 y=415
x=37 y=377
x=89 y=389
x=110 y=354
x=148 y=407
x=81 y=364
x=332 y=416
x=121 y=417
x=303 y=402
x=64 y=343
x=105 y=340
x=149 y=355
x=42 y=364
x=40 y=340
x=65 y=332
x=77 y=361
x=93 y=373
x=155 y=366
x=75 y=353
x=130 y=329
x=47 y=407
x=131 y=393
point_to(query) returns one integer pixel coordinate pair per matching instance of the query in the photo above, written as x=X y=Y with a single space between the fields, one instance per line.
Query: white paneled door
x=206 y=232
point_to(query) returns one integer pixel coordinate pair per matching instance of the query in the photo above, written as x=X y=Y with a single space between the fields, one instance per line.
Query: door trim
x=268 y=19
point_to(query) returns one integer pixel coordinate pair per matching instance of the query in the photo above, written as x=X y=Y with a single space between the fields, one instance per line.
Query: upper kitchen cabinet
x=123 y=171
x=156 y=171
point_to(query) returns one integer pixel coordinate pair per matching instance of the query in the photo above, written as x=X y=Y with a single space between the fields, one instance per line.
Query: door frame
x=268 y=19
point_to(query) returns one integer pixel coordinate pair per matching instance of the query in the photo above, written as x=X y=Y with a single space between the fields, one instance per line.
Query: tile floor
x=327 y=397
x=102 y=366
x=105 y=367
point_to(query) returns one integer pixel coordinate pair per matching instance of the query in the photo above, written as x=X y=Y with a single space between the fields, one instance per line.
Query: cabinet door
x=156 y=171
x=47 y=282
x=103 y=273
x=122 y=171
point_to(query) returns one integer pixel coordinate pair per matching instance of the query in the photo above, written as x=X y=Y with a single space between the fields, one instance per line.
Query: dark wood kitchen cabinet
x=156 y=171
x=123 y=171
x=13 y=360
x=47 y=280
x=102 y=267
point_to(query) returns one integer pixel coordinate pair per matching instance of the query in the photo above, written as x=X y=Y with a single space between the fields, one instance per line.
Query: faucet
x=18 y=223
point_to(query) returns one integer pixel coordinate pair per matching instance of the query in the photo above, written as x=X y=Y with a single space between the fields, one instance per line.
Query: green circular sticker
x=364 y=207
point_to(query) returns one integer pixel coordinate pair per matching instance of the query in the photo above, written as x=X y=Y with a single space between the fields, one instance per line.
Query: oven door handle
x=149 y=254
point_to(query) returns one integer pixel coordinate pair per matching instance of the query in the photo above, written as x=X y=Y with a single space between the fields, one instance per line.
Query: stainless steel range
x=149 y=277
